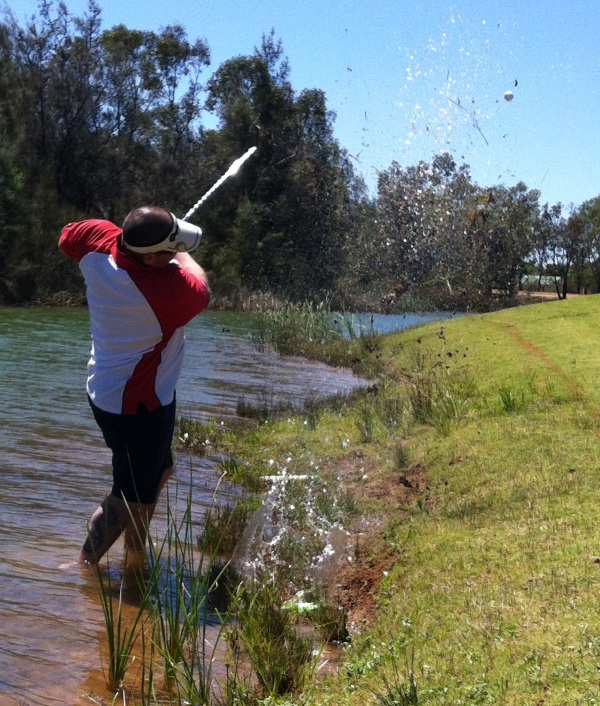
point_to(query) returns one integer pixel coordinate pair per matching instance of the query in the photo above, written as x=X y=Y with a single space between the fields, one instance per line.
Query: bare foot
x=73 y=565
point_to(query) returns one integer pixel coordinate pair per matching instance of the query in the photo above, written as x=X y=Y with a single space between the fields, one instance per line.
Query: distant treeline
x=94 y=122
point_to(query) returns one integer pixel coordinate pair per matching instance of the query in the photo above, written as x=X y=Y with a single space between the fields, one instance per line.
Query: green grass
x=494 y=597
x=490 y=554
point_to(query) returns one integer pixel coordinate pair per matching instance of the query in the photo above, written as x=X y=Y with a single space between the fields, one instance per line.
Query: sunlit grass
x=493 y=595
x=494 y=599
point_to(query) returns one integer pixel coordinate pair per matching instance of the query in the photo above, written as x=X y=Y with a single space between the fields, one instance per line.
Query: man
x=142 y=288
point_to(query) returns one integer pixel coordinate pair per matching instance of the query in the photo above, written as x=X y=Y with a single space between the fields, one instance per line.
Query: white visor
x=184 y=237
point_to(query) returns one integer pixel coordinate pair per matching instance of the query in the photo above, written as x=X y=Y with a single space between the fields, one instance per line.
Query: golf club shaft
x=233 y=169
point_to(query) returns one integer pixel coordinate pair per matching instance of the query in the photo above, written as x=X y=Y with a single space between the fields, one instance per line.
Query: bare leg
x=106 y=525
x=136 y=530
x=115 y=516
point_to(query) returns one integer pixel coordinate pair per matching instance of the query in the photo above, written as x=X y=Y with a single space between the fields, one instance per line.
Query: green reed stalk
x=176 y=595
x=121 y=637
x=148 y=692
x=288 y=326
x=180 y=583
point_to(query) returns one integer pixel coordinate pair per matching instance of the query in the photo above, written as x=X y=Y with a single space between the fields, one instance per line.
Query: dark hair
x=146 y=225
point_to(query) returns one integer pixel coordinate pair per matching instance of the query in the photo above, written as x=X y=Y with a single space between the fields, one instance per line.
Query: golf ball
x=508 y=96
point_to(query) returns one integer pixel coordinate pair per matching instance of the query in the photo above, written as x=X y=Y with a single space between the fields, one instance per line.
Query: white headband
x=183 y=237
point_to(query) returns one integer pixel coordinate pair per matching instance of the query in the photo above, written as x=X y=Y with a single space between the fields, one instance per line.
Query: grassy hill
x=469 y=480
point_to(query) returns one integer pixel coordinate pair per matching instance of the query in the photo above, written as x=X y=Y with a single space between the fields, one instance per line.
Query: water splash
x=297 y=516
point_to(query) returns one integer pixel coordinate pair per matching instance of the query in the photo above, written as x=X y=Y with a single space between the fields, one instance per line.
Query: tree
x=422 y=218
x=570 y=244
x=541 y=236
x=512 y=214
x=107 y=120
x=590 y=213
x=286 y=232
x=577 y=234
x=563 y=247
x=11 y=176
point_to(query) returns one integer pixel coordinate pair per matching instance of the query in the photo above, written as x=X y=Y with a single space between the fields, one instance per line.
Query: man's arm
x=78 y=239
x=187 y=263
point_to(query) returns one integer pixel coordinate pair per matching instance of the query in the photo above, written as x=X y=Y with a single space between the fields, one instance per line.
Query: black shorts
x=141 y=449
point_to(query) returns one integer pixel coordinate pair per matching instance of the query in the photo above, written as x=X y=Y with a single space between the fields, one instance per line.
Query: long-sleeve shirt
x=137 y=319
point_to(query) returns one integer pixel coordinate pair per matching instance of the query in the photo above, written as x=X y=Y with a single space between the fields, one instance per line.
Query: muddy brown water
x=54 y=469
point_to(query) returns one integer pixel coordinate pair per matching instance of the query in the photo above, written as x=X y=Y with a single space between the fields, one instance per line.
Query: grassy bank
x=468 y=483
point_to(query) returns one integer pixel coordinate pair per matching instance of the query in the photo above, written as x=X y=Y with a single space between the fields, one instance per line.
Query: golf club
x=233 y=169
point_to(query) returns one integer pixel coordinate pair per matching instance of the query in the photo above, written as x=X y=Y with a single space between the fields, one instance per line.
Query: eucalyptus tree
x=11 y=181
x=541 y=236
x=560 y=248
x=49 y=71
x=578 y=233
x=102 y=120
x=287 y=228
x=422 y=235
x=404 y=250
x=511 y=217
x=58 y=69
x=440 y=232
x=570 y=246
x=590 y=214
x=252 y=100
x=172 y=78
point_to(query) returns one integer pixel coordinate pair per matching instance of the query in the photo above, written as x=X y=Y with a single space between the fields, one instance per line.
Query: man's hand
x=187 y=263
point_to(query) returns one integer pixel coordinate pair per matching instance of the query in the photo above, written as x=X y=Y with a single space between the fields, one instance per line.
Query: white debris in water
x=287 y=476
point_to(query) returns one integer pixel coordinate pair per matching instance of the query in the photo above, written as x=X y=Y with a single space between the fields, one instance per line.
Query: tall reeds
x=172 y=617
x=121 y=634
x=289 y=327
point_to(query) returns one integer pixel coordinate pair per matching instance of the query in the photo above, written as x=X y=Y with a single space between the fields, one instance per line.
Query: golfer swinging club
x=142 y=288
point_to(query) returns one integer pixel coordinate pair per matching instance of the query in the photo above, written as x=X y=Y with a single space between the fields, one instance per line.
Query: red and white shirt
x=137 y=319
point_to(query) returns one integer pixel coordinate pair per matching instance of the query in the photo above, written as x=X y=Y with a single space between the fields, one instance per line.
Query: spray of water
x=294 y=515
x=452 y=89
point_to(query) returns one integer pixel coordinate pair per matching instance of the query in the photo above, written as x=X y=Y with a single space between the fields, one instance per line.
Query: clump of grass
x=401 y=456
x=249 y=476
x=330 y=619
x=312 y=409
x=517 y=396
x=289 y=326
x=396 y=689
x=393 y=407
x=266 y=408
x=180 y=583
x=439 y=391
x=366 y=421
x=121 y=636
x=177 y=603
x=314 y=331
x=197 y=437
x=224 y=526
x=280 y=657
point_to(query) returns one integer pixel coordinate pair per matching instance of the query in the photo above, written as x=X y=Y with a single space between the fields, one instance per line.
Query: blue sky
x=410 y=78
